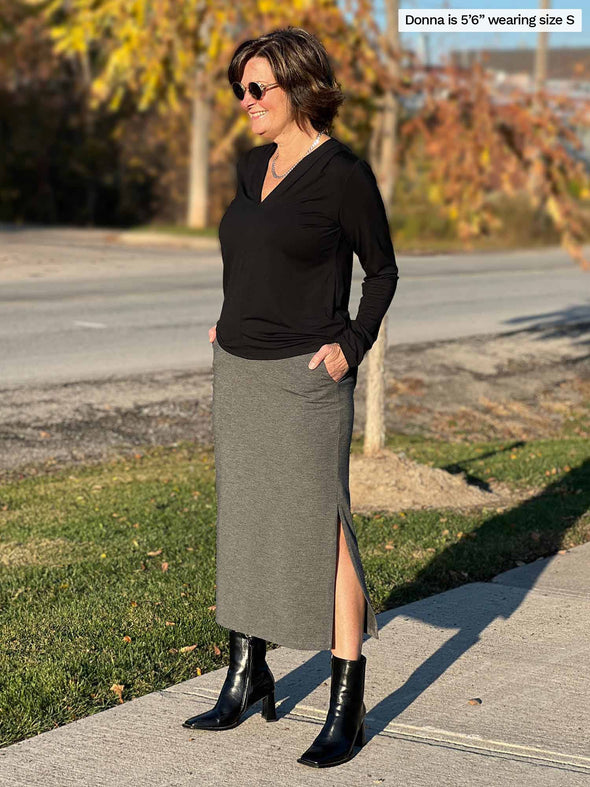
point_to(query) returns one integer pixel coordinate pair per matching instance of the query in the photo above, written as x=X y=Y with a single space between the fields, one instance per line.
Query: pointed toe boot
x=344 y=728
x=248 y=680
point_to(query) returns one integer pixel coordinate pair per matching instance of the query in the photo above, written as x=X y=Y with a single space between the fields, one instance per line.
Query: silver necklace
x=273 y=170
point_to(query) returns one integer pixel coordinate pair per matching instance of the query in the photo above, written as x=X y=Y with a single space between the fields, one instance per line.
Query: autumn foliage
x=459 y=136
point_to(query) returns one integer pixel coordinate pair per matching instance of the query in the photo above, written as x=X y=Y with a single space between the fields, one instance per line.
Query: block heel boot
x=344 y=727
x=248 y=680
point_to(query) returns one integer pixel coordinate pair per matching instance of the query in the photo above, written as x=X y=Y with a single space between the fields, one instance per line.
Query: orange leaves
x=117 y=688
x=470 y=141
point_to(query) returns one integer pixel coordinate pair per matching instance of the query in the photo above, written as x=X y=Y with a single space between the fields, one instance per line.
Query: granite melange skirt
x=282 y=437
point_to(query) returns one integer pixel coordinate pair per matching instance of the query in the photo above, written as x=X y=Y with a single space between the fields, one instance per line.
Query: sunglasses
x=257 y=89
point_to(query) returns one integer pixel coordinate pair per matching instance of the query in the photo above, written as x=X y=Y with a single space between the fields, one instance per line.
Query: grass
x=108 y=570
x=417 y=229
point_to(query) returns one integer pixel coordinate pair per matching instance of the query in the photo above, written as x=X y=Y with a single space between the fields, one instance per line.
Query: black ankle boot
x=248 y=680
x=345 y=725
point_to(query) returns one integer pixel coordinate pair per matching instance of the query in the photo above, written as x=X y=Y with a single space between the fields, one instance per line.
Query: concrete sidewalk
x=520 y=644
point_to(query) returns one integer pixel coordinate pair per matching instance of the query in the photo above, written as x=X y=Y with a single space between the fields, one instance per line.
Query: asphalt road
x=76 y=306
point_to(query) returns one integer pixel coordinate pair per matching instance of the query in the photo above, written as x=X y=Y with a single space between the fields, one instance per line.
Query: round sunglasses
x=256 y=89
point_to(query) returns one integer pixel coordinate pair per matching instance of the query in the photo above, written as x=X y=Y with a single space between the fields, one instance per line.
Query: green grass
x=86 y=607
x=176 y=229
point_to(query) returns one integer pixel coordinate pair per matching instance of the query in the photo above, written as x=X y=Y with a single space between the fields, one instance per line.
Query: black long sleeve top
x=287 y=261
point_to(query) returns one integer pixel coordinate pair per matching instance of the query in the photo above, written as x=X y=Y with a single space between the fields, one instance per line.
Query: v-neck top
x=287 y=260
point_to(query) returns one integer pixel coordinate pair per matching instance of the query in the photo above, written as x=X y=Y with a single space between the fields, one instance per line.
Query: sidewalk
x=520 y=644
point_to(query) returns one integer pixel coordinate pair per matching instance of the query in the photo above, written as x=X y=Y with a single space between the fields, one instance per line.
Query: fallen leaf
x=170 y=623
x=187 y=648
x=127 y=638
x=217 y=651
x=118 y=689
x=153 y=554
x=164 y=566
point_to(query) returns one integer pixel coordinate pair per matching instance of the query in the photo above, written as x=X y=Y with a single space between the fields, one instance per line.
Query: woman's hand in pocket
x=334 y=359
x=212 y=334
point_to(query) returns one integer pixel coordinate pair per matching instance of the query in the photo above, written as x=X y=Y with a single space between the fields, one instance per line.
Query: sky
x=441 y=43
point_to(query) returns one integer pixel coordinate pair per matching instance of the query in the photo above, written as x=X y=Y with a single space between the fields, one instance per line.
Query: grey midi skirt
x=282 y=437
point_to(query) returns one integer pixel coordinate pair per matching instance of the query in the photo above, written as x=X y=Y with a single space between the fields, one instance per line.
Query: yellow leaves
x=484 y=157
x=172 y=96
x=152 y=83
x=117 y=688
x=434 y=193
x=553 y=209
x=215 y=45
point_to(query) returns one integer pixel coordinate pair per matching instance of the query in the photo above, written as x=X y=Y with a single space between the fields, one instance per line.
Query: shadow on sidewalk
x=471 y=622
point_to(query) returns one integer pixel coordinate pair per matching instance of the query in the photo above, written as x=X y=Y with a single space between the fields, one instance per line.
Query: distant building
x=568 y=68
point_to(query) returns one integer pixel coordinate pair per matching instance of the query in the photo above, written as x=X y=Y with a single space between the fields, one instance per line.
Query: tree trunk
x=198 y=187
x=374 y=440
x=539 y=84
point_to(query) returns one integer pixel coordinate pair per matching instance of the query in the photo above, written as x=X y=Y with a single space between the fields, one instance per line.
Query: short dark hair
x=302 y=67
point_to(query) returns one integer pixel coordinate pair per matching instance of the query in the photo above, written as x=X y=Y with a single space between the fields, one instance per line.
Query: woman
x=285 y=364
